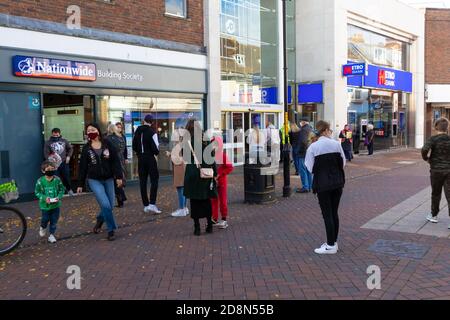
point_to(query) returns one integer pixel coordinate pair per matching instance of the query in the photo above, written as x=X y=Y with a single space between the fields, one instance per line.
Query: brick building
x=437 y=66
x=66 y=63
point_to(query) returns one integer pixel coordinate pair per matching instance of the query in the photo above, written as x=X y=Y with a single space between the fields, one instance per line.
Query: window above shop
x=176 y=8
x=377 y=49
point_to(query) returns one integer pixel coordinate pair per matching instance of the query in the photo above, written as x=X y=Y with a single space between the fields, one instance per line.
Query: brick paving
x=267 y=253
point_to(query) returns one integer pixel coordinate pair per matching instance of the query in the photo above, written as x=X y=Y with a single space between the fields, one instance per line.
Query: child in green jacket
x=49 y=190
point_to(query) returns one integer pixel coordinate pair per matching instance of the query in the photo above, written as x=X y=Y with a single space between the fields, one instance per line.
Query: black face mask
x=50 y=173
x=54 y=139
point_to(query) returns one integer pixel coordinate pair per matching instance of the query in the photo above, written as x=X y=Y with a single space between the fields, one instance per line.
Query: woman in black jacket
x=199 y=190
x=325 y=159
x=100 y=165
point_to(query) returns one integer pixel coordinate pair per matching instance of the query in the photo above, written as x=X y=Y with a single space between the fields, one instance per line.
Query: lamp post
x=286 y=147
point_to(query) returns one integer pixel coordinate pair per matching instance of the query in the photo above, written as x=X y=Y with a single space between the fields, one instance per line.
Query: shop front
x=47 y=90
x=379 y=96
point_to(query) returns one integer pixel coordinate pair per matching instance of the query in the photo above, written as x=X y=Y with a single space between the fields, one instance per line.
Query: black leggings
x=147 y=165
x=329 y=203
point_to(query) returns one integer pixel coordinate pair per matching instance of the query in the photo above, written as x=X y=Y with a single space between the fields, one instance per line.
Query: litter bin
x=259 y=183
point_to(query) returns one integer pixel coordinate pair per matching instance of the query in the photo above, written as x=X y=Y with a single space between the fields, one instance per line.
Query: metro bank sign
x=383 y=78
x=37 y=67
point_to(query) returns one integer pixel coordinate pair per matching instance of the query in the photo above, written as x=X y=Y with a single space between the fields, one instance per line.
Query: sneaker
x=186 y=210
x=52 y=239
x=42 y=232
x=337 y=246
x=179 y=213
x=215 y=222
x=223 y=224
x=152 y=208
x=302 y=191
x=71 y=193
x=326 y=249
x=432 y=219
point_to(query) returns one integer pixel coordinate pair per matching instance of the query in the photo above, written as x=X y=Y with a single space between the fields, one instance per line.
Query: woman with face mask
x=100 y=165
x=325 y=159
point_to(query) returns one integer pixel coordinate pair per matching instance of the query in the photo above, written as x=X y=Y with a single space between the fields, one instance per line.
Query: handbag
x=205 y=173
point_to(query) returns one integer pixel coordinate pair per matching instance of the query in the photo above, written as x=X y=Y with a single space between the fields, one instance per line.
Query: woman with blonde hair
x=115 y=137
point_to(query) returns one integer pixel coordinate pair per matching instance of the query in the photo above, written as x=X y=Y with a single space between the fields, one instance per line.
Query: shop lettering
x=35 y=67
x=386 y=78
x=120 y=76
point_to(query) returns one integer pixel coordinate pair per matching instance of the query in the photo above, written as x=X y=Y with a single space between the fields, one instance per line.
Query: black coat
x=105 y=167
x=143 y=142
x=328 y=172
x=195 y=187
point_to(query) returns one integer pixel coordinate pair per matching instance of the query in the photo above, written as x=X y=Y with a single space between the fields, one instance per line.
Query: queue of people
x=318 y=158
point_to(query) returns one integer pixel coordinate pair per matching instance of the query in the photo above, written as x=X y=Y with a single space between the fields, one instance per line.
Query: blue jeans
x=52 y=217
x=305 y=175
x=104 y=193
x=64 y=173
x=181 y=198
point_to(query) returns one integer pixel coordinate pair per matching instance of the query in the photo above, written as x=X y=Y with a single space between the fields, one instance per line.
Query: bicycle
x=13 y=225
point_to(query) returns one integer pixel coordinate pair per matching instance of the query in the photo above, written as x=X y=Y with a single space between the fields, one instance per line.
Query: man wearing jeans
x=437 y=152
x=146 y=146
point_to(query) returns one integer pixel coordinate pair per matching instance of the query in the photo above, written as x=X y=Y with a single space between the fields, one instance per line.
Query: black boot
x=197 y=231
x=209 y=227
x=111 y=236
x=98 y=226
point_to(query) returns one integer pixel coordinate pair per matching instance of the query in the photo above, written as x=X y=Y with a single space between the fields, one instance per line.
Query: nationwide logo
x=36 y=67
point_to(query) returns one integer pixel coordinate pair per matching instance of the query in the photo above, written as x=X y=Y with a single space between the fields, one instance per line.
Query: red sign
x=381 y=77
x=348 y=70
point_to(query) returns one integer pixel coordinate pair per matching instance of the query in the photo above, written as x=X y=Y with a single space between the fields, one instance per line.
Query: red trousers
x=222 y=202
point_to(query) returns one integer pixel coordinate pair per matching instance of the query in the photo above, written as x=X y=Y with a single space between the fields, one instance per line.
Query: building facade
x=360 y=63
x=68 y=63
x=245 y=48
x=437 y=66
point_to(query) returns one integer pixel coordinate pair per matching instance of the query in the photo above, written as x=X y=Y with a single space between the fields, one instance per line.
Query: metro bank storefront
x=379 y=96
x=40 y=91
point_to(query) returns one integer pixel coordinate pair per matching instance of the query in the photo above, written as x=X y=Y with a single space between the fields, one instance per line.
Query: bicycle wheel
x=13 y=228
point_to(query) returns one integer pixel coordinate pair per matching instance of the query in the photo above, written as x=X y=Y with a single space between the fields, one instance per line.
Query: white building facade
x=386 y=39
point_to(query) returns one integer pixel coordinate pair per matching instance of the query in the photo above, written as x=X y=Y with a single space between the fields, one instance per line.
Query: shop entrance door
x=69 y=113
x=239 y=140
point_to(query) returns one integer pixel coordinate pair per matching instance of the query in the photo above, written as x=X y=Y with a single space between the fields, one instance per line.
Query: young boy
x=49 y=190
x=439 y=159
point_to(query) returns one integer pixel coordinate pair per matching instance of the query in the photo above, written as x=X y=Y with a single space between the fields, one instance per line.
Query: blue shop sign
x=310 y=93
x=49 y=68
x=354 y=69
x=270 y=95
x=383 y=78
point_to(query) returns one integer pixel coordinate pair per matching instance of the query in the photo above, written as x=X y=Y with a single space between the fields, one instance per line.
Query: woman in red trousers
x=224 y=168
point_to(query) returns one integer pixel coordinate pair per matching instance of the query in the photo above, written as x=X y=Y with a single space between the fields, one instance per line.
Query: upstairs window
x=176 y=8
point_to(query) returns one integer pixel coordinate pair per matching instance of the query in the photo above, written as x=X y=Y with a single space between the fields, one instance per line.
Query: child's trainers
x=42 y=232
x=52 y=239
x=223 y=224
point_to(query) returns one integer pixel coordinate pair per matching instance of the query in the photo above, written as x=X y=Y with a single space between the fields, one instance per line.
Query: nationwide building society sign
x=36 y=67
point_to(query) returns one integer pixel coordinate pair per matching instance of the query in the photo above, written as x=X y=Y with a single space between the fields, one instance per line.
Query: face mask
x=93 y=135
x=54 y=138
x=50 y=173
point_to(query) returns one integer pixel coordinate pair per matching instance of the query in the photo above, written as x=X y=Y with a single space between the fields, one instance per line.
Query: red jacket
x=223 y=169
x=224 y=165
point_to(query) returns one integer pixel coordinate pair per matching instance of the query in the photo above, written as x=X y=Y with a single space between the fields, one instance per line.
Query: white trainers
x=223 y=224
x=326 y=249
x=42 y=232
x=179 y=213
x=432 y=219
x=186 y=210
x=52 y=239
x=152 y=208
